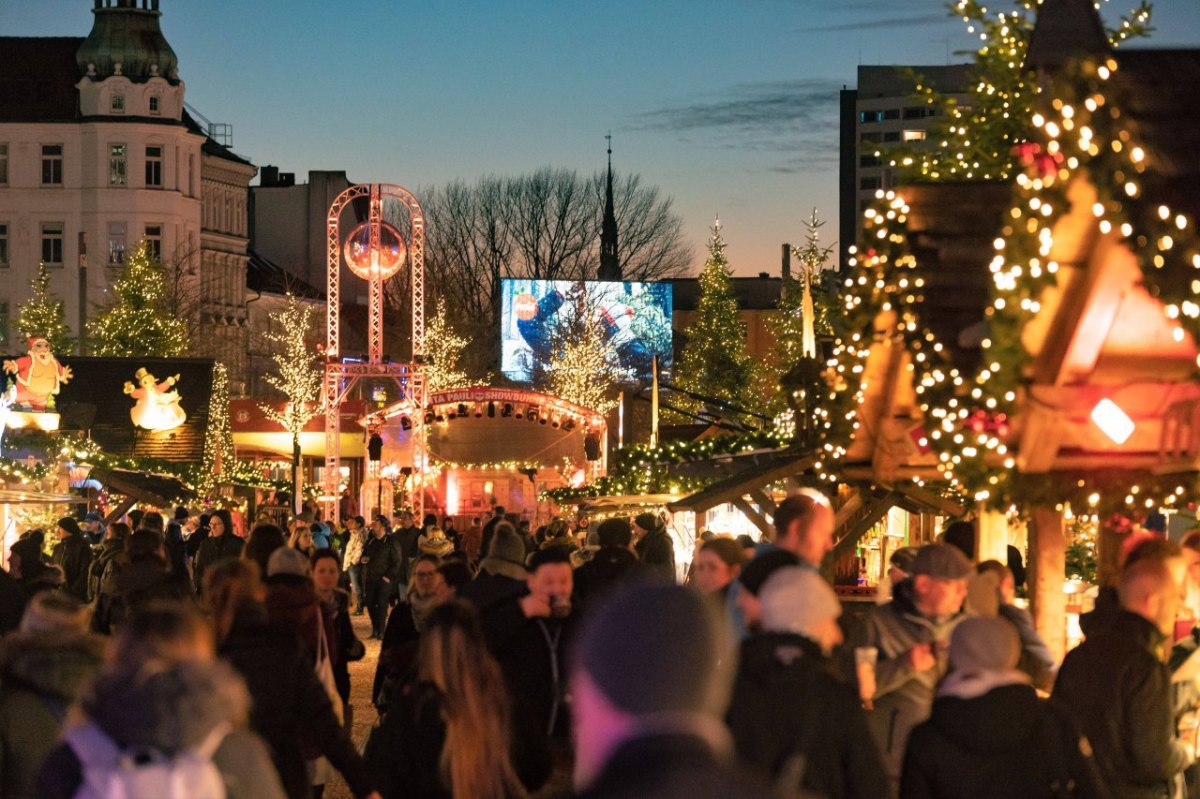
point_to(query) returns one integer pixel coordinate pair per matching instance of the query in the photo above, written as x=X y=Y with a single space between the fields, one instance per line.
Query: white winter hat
x=796 y=600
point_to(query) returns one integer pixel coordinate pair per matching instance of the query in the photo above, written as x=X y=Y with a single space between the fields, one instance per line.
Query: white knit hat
x=796 y=600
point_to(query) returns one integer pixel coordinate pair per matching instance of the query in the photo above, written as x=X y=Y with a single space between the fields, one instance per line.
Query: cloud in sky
x=794 y=122
x=919 y=20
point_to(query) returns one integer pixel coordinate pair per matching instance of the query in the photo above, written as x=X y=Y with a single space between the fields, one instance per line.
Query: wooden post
x=991 y=540
x=1047 y=573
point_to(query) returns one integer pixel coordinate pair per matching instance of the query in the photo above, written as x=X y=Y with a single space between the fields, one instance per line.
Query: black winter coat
x=132 y=587
x=385 y=558
x=12 y=602
x=657 y=552
x=608 y=568
x=489 y=588
x=289 y=706
x=73 y=555
x=788 y=710
x=404 y=751
x=213 y=549
x=533 y=655
x=1119 y=692
x=1005 y=744
x=671 y=767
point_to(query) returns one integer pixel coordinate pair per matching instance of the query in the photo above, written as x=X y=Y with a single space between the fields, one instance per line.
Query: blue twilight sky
x=730 y=106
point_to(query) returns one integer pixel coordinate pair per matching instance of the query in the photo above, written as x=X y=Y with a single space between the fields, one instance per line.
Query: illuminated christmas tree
x=581 y=368
x=443 y=349
x=137 y=322
x=298 y=376
x=42 y=315
x=715 y=362
x=803 y=315
x=975 y=140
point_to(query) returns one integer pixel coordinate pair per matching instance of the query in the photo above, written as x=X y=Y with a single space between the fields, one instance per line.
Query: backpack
x=143 y=772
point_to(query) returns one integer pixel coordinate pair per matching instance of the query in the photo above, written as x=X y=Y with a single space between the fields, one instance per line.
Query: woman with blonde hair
x=452 y=733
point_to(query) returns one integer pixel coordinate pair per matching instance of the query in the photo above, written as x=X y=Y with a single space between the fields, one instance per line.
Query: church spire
x=610 y=264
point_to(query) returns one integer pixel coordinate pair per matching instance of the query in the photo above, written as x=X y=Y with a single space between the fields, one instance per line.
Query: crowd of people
x=155 y=658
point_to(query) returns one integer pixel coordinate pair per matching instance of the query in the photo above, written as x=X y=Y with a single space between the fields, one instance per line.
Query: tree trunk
x=1047 y=573
x=297 y=500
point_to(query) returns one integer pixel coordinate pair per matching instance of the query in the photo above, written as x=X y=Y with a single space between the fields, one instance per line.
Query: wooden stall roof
x=158 y=490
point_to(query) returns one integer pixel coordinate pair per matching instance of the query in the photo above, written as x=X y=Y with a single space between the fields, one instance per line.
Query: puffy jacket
x=1004 y=744
x=354 y=548
x=41 y=675
x=903 y=697
x=1118 y=690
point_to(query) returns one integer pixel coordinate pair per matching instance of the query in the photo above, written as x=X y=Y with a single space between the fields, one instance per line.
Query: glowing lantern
x=1113 y=421
x=385 y=260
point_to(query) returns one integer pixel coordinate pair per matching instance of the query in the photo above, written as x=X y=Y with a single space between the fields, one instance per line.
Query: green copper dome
x=127 y=33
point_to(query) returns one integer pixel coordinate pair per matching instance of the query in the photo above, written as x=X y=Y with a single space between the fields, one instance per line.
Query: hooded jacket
x=41 y=675
x=903 y=697
x=1118 y=690
x=787 y=709
x=171 y=711
x=133 y=586
x=293 y=607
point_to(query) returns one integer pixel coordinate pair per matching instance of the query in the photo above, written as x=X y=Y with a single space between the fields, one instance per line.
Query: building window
x=154 y=105
x=867 y=117
x=914 y=113
x=3 y=164
x=869 y=138
x=868 y=160
x=891 y=113
x=869 y=184
x=116 y=164
x=914 y=135
x=117 y=106
x=52 y=243
x=116 y=242
x=154 y=241
x=4 y=323
x=3 y=245
x=154 y=167
x=52 y=164
x=892 y=136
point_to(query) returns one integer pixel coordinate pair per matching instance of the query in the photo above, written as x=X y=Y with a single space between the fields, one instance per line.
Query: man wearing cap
x=989 y=735
x=1118 y=689
x=911 y=637
x=73 y=555
x=648 y=690
x=654 y=546
x=789 y=716
x=92 y=528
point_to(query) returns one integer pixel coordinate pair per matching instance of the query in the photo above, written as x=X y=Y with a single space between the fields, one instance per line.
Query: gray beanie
x=506 y=544
x=286 y=560
x=984 y=643
x=657 y=649
x=796 y=600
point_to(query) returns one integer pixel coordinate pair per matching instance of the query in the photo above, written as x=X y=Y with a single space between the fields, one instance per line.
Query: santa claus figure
x=39 y=376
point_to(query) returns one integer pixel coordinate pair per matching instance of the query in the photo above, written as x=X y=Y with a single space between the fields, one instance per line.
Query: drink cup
x=865 y=658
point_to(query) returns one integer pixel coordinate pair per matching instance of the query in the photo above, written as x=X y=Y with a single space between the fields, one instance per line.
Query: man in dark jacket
x=790 y=717
x=502 y=572
x=529 y=636
x=611 y=564
x=648 y=689
x=1118 y=689
x=383 y=569
x=911 y=637
x=989 y=734
x=407 y=536
x=654 y=546
x=220 y=544
x=73 y=555
x=489 y=528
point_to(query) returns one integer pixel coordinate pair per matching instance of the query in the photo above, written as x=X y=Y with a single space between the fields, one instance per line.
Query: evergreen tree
x=297 y=376
x=715 y=361
x=137 y=323
x=443 y=350
x=975 y=140
x=42 y=315
x=788 y=326
x=582 y=368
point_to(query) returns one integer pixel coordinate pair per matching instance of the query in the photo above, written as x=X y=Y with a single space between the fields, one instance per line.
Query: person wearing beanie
x=610 y=565
x=45 y=668
x=648 y=690
x=502 y=573
x=989 y=734
x=73 y=555
x=654 y=547
x=790 y=717
x=529 y=634
x=910 y=636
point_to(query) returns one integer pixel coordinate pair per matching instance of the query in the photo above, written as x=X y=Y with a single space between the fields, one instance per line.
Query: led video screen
x=633 y=318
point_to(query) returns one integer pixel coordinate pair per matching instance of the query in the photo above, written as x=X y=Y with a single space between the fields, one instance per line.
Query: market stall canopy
x=17 y=496
x=159 y=490
x=628 y=503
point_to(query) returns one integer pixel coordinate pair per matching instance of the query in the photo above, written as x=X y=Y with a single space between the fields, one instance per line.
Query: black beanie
x=657 y=649
x=646 y=521
x=69 y=524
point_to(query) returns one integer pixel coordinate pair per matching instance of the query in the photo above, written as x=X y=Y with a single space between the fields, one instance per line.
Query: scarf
x=421 y=608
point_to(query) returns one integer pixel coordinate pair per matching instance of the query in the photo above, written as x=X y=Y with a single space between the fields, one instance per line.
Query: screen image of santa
x=39 y=376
